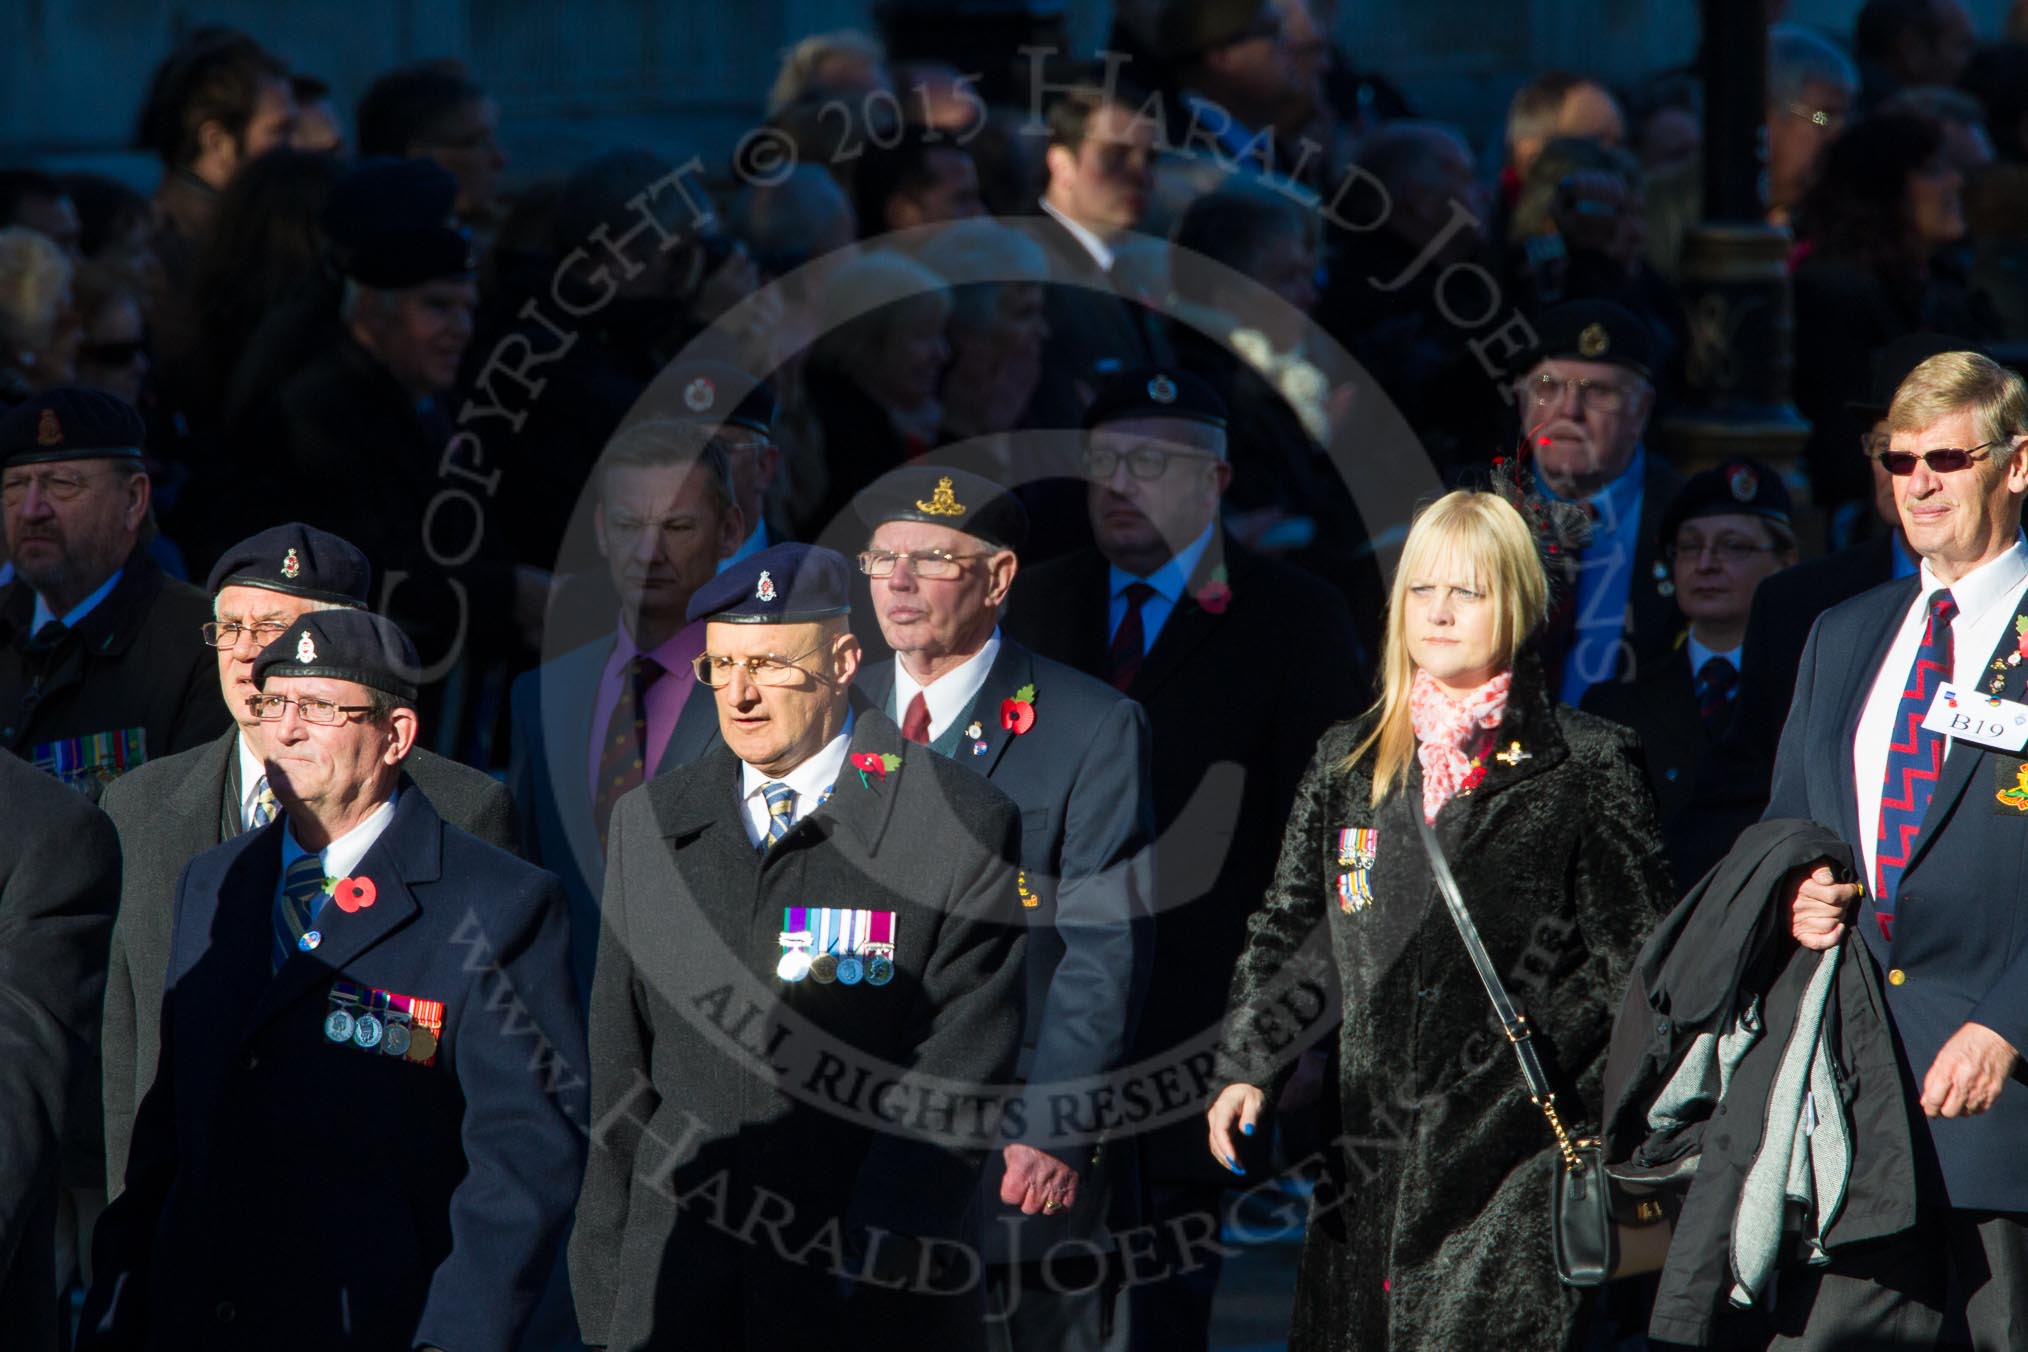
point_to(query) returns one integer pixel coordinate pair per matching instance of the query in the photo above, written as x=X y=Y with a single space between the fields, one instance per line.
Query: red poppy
x=1473 y=777
x=1017 y=714
x=867 y=763
x=353 y=894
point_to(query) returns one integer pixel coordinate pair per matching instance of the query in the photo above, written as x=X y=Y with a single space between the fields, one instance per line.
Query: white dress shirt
x=1988 y=598
x=951 y=693
x=251 y=772
x=342 y=855
x=1699 y=655
x=809 y=780
x=1100 y=252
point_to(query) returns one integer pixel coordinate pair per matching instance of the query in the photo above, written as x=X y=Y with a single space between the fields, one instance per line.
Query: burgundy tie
x=915 y=723
x=1123 y=659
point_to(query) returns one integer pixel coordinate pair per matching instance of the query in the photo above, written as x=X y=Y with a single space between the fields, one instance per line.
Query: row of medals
x=368 y=1031
x=825 y=968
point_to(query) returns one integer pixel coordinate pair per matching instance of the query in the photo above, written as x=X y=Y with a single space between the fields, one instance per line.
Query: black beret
x=1892 y=365
x=1155 y=392
x=721 y=395
x=71 y=423
x=390 y=224
x=782 y=584
x=297 y=560
x=939 y=496
x=1738 y=487
x=1592 y=330
x=344 y=645
x=1187 y=28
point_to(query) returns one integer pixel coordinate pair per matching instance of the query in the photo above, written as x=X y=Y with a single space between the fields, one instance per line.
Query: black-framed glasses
x=714 y=671
x=931 y=563
x=1726 y=549
x=271 y=708
x=1143 y=462
x=228 y=635
x=1943 y=460
x=122 y=353
x=1597 y=396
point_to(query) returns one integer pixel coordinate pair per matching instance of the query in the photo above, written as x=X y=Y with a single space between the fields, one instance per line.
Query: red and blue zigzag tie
x=1914 y=760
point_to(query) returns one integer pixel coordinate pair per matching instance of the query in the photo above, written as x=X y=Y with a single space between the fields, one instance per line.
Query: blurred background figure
x=319 y=126
x=39 y=332
x=437 y=110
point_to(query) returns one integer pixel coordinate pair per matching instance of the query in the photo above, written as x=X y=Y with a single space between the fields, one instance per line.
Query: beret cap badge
x=306 y=651
x=698 y=394
x=292 y=567
x=1744 y=483
x=1162 y=390
x=765 y=591
x=1593 y=341
x=48 y=431
x=942 y=502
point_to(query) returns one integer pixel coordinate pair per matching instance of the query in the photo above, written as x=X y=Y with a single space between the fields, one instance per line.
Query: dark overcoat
x=1432 y=1228
x=287 y=1189
x=167 y=813
x=59 y=882
x=1661 y=708
x=1080 y=776
x=137 y=662
x=750 y=1134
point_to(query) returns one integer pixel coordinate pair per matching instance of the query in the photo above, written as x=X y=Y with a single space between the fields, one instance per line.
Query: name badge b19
x=1971 y=717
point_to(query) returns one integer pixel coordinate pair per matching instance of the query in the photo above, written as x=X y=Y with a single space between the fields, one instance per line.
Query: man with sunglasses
x=368 y=1119
x=806 y=1010
x=173 y=809
x=101 y=667
x=1908 y=736
x=1241 y=662
x=1073 y=754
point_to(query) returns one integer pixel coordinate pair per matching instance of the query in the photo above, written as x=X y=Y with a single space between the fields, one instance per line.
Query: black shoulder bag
x=1604 y=1224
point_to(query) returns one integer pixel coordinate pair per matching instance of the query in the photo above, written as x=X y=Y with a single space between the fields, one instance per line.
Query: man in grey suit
x=602 y=718
x=170 y=810
x=1073 y=754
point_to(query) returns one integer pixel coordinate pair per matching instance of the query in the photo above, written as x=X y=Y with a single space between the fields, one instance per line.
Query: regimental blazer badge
x=1358 y=846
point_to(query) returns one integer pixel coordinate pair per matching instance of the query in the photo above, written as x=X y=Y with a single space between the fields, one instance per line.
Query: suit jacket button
x=226 y=1314
x=250 y=1061
x=1896 y=977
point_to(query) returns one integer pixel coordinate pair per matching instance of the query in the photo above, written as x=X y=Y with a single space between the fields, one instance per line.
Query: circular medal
x=396 y=1041
x=824 y=967
x=422 y=1044
x=850 y=970
x=310 y=941
x=366 y=1031
x=794 y=966
x=338 y=1025
x=880 y=971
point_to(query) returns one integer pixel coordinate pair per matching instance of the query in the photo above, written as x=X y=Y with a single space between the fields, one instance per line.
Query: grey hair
x=1798 y=57
x=309 y=608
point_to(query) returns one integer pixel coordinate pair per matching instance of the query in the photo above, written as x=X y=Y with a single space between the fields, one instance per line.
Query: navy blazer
x=553 y=707
x=1960 y=925
x=287 y=1190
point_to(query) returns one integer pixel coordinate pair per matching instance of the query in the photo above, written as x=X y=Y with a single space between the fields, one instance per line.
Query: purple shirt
x=667 y=694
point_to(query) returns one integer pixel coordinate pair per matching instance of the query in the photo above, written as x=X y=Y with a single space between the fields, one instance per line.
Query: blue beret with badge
x=782 y=584
x=1591 y=330
x=1155 y=392
x=345 y=645
x=941 y=496
x=723 y=396
x=71 y=423
x=1735 y=488
x=390 y=224
x=296 y=560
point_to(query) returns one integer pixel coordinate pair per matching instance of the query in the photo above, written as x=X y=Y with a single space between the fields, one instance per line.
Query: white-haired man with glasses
x=807 y=1006
x=1881 y=745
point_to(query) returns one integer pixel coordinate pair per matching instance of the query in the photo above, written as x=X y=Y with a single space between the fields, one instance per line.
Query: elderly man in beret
x=367 y=1122
x=1584 y=401
x=173 y=809
x=1725 y=533
x=740 y=413
x=808 y=1001
x=1073 y=754
x=1170 y=612
x=101 y=667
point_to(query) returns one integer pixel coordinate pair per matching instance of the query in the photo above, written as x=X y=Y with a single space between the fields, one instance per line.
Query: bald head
x=786 y=224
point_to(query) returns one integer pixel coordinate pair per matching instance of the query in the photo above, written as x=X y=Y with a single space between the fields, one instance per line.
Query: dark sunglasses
x=112 y=354
x=1946 y=460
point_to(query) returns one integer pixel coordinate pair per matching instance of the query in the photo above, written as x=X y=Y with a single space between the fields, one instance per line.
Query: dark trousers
x=1072 y=1304
x=1173 y=1312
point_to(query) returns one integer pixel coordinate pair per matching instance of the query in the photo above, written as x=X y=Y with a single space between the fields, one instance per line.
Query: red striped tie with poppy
x=1914 y=760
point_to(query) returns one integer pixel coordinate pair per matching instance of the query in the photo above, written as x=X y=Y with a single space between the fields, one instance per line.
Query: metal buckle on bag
x=1519 y=1028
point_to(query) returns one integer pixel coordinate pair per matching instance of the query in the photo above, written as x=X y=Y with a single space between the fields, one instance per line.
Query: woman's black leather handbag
x=1605 y=1221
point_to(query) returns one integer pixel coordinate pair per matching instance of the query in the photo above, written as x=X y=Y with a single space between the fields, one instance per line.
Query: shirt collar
x=1171 y=578
x=72 y=617
x=1987 y=585
x=251 y=771
x=809 y=779
x=675 y=653
x=951 y=693
x=1699 y=655
x=1101 y=253
x=342 y=855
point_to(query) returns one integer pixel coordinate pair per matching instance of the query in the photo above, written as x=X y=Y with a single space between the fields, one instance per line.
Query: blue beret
x=782 y=584
x=390 y=226
x=1738 y=487
x=1592 y=330
x=720 y=395
x=297 y=560
x=1155 y=392
x=344 y=645
x=71 y=423
x=940 y=496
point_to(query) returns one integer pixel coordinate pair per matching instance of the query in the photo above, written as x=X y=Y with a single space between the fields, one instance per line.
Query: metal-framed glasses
x=1594 y=396
x=1943 y=460
x=1726 y=549
x=271 y=708
x=767 y=669
x=227 y=635
x=931 y=563
x=1143 y=462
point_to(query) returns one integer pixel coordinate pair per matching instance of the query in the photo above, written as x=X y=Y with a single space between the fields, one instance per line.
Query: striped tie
x=265 y=804
x=781 y=801
x=1914 y=760
x=1715 y=684
x=302 y=889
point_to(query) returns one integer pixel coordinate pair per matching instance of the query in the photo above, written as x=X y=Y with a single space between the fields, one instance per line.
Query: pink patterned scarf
x=1445 y=729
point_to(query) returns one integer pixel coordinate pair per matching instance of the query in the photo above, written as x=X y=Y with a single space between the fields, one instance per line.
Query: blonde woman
x=1432 y=1228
